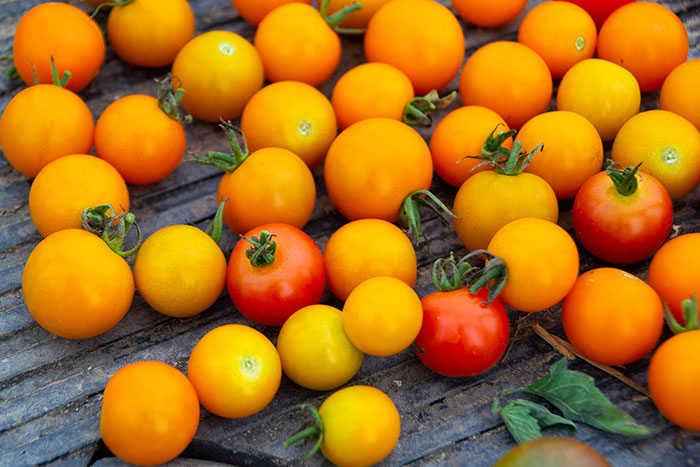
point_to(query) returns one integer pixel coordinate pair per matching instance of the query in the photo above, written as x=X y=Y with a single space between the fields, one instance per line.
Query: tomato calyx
x=56 y=80
x=504 y=160
x=449 y=274
x=413 y=202
x=262 y=253
x=113 y=3
x=222 y=160
x=624 y=179
x=417 y=111
x=315 y=430
x=169 y=101
x=336 y=18
x=215 y=228
x=690 y=315
x=112 y=229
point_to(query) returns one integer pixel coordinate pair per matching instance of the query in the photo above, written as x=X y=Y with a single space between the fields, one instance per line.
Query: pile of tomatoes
x=513 y=165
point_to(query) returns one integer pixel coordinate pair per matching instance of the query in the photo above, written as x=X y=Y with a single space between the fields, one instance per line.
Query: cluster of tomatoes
x=377 y=170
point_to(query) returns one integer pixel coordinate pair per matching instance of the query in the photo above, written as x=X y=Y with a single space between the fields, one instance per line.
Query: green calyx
x=313 y=431
x=418 y=110
x=169 y=100
x=336 y=18
x=56 y=80
x=222 y=160
x=113 y=3
x=263 y=249
x=11 y=71
x=503 y=160
x=624 y=179
x=413 y=202
x=690 y=315
x=101 y=221
x=216 y=227
x=449 y=274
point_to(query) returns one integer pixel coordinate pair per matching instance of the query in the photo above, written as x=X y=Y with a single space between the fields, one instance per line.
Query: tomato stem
x=56 y=80
x=690 y=315
x=215 y=228
x=315 y=430
x=112 y=229
x=336 y=18
x=505 y=161
x=625 y=180
x=417 y=111
x=262 y=253
x=413 y=202
x=449 y=274
x=109 y=4
x=169 y=101
x=222 y=160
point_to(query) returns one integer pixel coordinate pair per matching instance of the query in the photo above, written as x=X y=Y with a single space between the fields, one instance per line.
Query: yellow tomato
x=681 y=94
x=357 y=19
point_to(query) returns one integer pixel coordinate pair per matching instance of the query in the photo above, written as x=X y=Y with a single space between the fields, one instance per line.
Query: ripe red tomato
x=268 y=294
x=600 y=9
x=552 y=451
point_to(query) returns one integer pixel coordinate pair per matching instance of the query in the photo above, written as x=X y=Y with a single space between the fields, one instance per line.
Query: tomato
x=489 y=14
x=461 y=133
x=366 y=248
x=561 y=33
x=43 y=123
x=357 y=19
x=149 y=414
x=180 y=271
x=419 y=37
x=254 y=11
x=139 y=139
x=646 y=38
x=680 y=95
x=542 y=262
x=461 y=335
x=667 y=145
x=674 y=379
x=552 y=451
x=235 y=370
x=269 y=293
x=293 y=116
x=600 y=9
x=603 y=92
x=63 y=32
x=674 y=272
x=219 y=71
x=75 y=286
x=150 y=33
x=68 y=185
x=382 y=316
x=315 y=351
x=572 y=151
x=625 y=226
x=370 y=90
x=612 y=317
x=373 y=165
x=295 y=43
x=508 y=78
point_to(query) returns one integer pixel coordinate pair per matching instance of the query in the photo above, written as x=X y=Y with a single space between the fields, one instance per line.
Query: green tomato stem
x=690 y=315
x=417 y=111
x=263 y=249
x=625 y=180
x=216 y=227
x=169 y=100
x=503 y=160
x=222 y=160
x=449 y=274
x=422 y=198
x=336 y=18
x=109 y=4
x=315 y=430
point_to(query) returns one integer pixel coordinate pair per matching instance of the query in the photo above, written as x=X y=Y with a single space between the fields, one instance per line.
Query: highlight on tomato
x=254 y=11
x=275 y=270
x=149 y=413
x=489 y=14
x=680 y=95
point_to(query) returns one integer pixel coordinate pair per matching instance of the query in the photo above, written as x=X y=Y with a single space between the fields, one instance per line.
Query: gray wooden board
x=51 y=388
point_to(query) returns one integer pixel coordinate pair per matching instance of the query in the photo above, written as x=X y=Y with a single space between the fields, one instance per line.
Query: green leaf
x=524 y=419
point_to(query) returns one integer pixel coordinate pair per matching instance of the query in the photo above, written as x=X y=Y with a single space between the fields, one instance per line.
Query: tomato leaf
x=524 y=419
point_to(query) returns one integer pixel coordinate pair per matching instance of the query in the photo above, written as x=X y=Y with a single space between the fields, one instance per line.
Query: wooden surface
x=51 y=388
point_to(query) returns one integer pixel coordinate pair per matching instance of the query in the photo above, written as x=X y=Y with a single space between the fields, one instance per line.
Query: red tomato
x=270 y=293
x=600 y=9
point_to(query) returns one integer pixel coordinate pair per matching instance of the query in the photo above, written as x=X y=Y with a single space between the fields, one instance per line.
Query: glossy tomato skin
x=461 y=336
x=270 y=294
x=622 y=229
x=254 y=11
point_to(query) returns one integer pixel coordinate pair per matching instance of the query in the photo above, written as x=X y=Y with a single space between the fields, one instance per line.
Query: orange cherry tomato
x=422 y=38
x=63 y=32
x=508 y=78
x=254 y=11
x=149 y=414
x=68 y=185
x=43 y=123
x=150 y=33
x=219 y=71
x=357 y=19
x=646 y=38
x=489 y=14
x=561 y=33
x=293 y=116
x=680 y=93
x=139 y=139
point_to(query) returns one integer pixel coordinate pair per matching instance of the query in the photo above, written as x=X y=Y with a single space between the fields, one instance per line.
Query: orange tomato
x=572 y=151
x=254 y=11
x=646 y=38
x=150 y=33
x=63 y=32
x=357 y=19
x=489 y=14
x=295 y=43
x=561 y=33
x=422 y=38
x=680 y=93
x=66 y=186
x=139 y=139
x=43 y=123
x=667 y=145
x=149 y=414
x=373 y=165
x=508 y=78
x=293 y=116
x=219 y=71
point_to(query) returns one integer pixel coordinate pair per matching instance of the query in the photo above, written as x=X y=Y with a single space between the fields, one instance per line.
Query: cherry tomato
x=219 y=71
x=75 y=286
x=150 y=33
x=43 y=123
x=61 y=31
x=679 y=93
x=461 y=335
x=235 y=370
x=373 y=165
x=674 y=272
x=552 y=450
x=357 y=19
x=668 y=146
x=674 y=379
x=68 y=185
x=489 y=14
x=646 y=38
x=600 y=9
x=367 y=248
x=612 y=317
x=419 y=37
x=268 y=293
x=542 y=262
x=254 y=11
x=149 y=414
x=508 y=78
x=315 y=351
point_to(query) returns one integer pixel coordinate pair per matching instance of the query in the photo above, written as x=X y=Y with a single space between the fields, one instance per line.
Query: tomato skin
x=461 y=336
x=679 y=93
x=254 y=11
x=600 y=9
x=552 y=451
x=622 y=229
x=489 y=14
x=357 y=19
x=270 y=294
